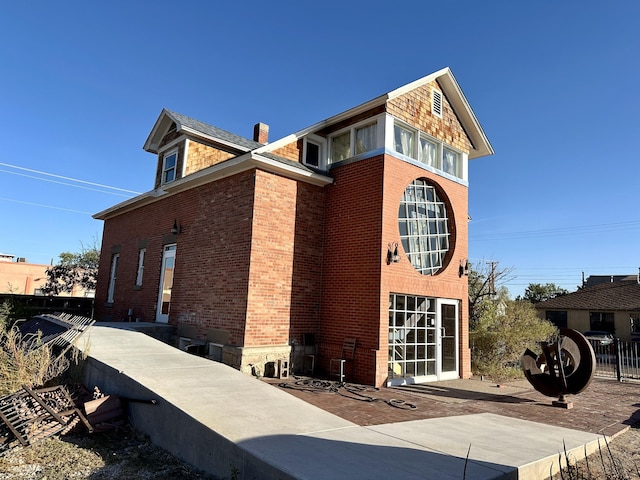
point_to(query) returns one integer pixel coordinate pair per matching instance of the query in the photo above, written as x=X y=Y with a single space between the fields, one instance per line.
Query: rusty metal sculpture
x=564 y=367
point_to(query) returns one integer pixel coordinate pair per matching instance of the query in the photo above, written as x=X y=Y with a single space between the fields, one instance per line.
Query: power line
x=67 y=178
x=45 y=206
x=66 y=184
x=553 y=232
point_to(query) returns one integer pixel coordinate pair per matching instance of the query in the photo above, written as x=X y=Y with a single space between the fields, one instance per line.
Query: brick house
x=612 y=307
x=353 y=227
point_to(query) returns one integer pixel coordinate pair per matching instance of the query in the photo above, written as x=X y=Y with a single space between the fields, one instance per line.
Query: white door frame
x=447 y=340
x=442 y=349
x=166 y=275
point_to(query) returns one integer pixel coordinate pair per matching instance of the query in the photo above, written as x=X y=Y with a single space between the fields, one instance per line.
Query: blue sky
x=554 y=85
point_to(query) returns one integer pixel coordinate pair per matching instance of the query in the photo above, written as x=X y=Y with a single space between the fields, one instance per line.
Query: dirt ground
x=618 y=459
x=109 y=455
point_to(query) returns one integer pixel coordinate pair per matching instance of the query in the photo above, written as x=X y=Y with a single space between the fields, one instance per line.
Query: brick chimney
x=261 y=133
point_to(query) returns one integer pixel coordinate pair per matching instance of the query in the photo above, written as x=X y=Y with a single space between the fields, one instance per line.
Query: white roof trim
x=452 y=91
x=162 y=124
x=213 y=173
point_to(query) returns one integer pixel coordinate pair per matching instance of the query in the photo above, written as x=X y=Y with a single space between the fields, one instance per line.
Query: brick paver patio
x=605 y=407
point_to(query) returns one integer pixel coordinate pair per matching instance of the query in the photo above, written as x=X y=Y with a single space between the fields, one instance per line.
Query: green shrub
x=501 y=334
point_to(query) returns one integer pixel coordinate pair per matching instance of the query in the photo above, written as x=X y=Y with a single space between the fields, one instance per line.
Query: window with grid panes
x=412 y=336
x=424 y=227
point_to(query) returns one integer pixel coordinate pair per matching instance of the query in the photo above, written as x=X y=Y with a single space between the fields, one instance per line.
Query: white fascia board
x=460 y=105
x=163 y=122
x=132 y=203
x=219 y=171
x=149 y=144
x=466 y=115
x=418 y=83
x=289 y=171
x=322 y=124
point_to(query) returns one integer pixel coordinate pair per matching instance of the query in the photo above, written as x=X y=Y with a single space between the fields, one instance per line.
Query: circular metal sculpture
x=564 y=367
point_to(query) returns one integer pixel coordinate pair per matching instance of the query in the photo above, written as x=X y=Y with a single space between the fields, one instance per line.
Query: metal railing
x=619 y=360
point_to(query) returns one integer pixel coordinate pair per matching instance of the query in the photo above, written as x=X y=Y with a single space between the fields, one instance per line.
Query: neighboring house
x=353 y=227
x=612 y=307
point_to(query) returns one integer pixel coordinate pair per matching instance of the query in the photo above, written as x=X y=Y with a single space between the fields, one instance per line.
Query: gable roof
x=621 y=296
x=480 y=143
x=195 y=128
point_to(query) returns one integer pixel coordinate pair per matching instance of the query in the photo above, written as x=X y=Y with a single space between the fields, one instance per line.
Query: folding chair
x=337 y=365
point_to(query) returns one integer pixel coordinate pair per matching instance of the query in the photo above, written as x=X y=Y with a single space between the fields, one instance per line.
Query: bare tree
x=486 y=280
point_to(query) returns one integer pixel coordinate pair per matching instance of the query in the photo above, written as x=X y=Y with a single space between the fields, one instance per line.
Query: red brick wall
x=402 y=277
x=284 y=283
x=351 y=264
x=212 y=257
x=214 y=287
x=361 y=220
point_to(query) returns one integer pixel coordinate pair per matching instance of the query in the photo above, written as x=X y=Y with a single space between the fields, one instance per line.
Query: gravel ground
x=99 y=456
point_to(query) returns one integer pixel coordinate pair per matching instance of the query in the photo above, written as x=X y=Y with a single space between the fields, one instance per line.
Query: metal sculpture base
x=562 y=403
x=564 y=367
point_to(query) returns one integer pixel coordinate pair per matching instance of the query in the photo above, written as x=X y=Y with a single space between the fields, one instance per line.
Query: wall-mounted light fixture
x=176 y=229
x=463 y=270
x=392 y=253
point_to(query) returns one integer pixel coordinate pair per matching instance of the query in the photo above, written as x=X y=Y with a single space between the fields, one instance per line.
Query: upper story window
x=169 y=165
x=358 y=139
x=451 y=162
x=314 y=151
x=420 y=146
x=341 y=147
x=424 y=227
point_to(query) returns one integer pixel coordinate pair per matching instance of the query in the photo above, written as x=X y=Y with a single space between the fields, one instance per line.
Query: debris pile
x=29 y=416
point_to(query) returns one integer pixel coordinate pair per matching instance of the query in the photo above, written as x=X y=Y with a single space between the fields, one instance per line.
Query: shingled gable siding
x=402 y=277
x=179 y=163
x=201 y=156
x=414 y=107
x=291 y=151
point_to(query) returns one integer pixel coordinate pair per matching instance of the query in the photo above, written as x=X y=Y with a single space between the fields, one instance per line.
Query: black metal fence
x=27 y=306
x=619 y=360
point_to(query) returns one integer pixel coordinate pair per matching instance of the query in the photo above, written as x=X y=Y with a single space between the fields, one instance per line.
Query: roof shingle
x=624 y=296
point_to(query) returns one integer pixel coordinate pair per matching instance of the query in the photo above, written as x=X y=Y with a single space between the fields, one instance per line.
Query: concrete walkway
x=229 y=424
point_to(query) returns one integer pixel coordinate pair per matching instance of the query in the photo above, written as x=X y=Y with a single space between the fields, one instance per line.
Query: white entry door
x=448 y=335
x=166 y=283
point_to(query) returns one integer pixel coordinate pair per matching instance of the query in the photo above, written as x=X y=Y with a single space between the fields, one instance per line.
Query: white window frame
x=140 y=273
x=351 y=129
x=440 y=148
x=165 y=170
x=321 y=143
x=113 y=275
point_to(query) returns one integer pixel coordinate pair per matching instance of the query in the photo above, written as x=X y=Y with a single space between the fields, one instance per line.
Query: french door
x=166 y=283
x=423 y=339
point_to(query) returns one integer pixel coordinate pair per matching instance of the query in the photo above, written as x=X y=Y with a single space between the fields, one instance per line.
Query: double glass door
x=423 y=339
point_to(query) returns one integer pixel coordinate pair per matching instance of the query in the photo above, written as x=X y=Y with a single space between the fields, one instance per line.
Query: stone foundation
x=262 y=361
